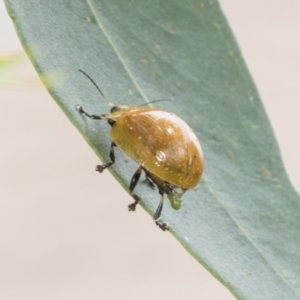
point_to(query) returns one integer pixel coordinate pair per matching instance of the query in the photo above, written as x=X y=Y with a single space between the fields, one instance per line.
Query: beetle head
x=119 y=111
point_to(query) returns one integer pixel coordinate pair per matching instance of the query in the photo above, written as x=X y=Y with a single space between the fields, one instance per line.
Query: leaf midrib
x=99 y=23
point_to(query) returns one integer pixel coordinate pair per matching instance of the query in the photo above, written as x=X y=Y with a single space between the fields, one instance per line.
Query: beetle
x=162 y=144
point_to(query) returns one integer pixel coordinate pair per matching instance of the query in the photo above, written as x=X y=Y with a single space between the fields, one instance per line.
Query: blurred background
x=65 y=232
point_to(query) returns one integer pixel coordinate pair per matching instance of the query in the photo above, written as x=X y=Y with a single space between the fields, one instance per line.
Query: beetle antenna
x=94 y=83
x=159 y=100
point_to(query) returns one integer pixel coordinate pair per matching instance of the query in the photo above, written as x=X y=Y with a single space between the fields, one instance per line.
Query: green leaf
x=243 y=221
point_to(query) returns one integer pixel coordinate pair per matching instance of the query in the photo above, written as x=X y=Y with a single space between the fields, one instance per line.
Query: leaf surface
x=243 y=221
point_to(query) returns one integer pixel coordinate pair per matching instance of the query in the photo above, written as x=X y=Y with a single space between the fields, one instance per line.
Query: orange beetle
x=163 y=145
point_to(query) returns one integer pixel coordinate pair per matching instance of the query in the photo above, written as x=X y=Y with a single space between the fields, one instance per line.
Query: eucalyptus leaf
x=243 y=221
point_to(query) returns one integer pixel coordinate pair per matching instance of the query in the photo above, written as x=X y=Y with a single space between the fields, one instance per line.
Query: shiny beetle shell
x=162 y=143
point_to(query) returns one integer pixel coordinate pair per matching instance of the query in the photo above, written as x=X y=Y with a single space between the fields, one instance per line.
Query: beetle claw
x=132 y=206
x=162 y=226
x=99 y=168
x=79 y=108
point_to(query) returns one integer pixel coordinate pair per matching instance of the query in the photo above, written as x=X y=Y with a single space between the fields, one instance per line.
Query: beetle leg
x=157 y=214
x=134 y=180
x=150 y=181
x=82 y=111
x=101 y=168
